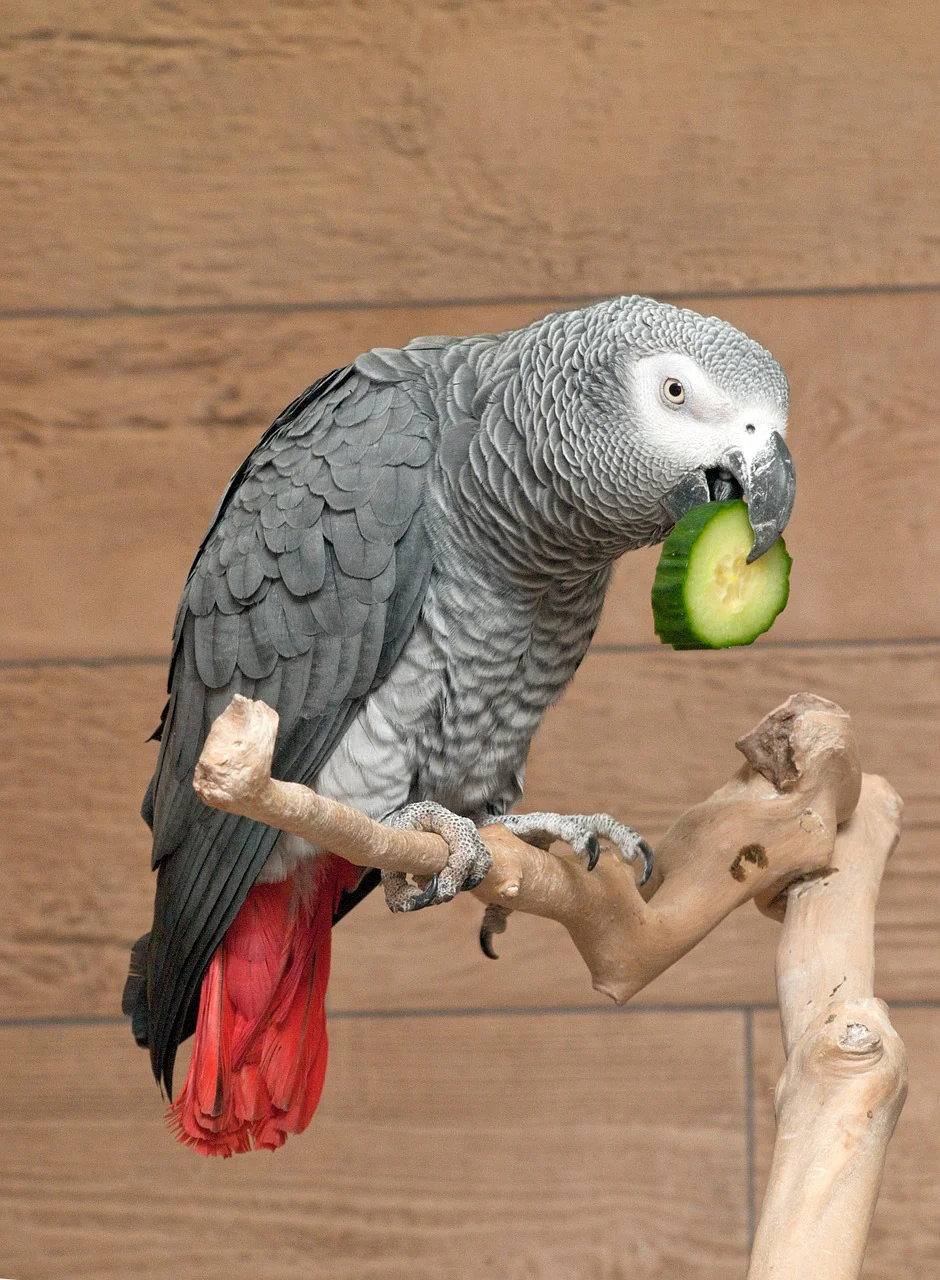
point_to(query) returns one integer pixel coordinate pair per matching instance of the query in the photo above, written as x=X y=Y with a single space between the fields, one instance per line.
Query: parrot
x=409 y=568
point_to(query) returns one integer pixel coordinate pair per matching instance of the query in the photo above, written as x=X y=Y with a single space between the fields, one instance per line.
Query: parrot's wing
x=303 y=594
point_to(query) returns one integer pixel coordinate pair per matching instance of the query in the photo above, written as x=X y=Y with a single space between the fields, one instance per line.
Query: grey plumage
x=409 y=567
x=309 y=623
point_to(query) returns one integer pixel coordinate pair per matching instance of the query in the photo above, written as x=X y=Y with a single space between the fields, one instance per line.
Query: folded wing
x=303 y=594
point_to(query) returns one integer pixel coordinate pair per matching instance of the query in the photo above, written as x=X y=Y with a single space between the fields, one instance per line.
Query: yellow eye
x=674 y=391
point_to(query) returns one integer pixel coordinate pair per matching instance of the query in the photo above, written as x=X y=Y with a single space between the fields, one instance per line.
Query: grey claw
x=425 y=897
x=593 y=848
x=647 y=853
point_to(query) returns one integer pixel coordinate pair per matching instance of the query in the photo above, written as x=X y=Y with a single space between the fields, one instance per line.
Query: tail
x=259 y=1057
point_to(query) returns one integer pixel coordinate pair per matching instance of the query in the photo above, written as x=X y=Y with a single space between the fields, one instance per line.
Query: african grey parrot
x=409 y=567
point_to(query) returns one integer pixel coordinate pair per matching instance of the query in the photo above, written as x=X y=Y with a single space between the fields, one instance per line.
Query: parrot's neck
x=511 y=501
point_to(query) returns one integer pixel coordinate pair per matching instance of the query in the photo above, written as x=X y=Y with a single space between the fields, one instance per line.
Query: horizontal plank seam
x=407 y=304
x=120 y=660
x=486 y=1011
x=151 y=660
x=24 y=938
x=526 y=1011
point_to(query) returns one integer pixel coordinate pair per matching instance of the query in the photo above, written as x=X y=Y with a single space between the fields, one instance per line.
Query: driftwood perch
x=845 y=1081
x=773 y=822
x=771 y=833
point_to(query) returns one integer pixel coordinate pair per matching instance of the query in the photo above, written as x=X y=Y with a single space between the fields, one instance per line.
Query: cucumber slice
x=706 y=595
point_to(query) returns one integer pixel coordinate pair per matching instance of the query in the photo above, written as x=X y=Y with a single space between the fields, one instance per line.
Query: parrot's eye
x=674 y=391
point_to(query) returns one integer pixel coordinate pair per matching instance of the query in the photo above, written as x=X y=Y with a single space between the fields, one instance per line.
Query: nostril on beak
x=750 y=428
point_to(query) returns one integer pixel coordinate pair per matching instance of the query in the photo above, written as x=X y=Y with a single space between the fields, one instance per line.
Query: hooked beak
x=767 y=482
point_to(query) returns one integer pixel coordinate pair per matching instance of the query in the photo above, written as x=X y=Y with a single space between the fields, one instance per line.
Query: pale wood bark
x=799 y=829
x=773 y=822
x=845 y=1081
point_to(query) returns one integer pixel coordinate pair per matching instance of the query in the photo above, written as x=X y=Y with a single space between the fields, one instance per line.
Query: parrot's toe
x=468 y=863
x=581 y=831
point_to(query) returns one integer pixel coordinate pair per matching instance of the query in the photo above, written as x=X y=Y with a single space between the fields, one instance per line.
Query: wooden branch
x=785 y=831
x=773 y=822
x=845 y=1081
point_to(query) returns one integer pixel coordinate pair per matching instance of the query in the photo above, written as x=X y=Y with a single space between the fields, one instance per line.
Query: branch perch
x=799 y=830
x=775 y=821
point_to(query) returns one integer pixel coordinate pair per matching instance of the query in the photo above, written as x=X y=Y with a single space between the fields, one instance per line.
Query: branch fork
x=799 y=830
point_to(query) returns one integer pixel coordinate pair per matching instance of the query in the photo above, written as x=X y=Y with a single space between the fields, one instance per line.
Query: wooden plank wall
x=205 y=205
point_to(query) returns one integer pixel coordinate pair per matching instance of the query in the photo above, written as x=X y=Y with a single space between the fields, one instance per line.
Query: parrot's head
x=670 y=409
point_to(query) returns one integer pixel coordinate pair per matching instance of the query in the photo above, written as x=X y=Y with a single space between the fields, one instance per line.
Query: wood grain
x=643 y=735
x=502 y=1148
x=119 y=435
x=905 y=1233
x=198 y=155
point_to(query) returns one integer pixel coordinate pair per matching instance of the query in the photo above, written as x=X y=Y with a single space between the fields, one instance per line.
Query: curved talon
x=486 y=942
x=425 y=897
x=494 y=921
x=592 y=847
x=647 y=853
x=474 y=881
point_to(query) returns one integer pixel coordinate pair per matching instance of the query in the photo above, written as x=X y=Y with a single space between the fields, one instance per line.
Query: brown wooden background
x=205 y=205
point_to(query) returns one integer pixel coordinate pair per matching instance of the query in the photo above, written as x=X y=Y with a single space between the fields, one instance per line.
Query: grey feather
x=257 y=653
x=378 y=589
x=356 y=556
x=375 y=530
x=398 y=496
x=281 y=617
x=245 y=574
x=306 y=513
x=284 y=537
x=216 y=640
x=364 y=404
x=335 y=607
x=456 y=440
x=382 y=364
x=323 y=676
x=303 y=570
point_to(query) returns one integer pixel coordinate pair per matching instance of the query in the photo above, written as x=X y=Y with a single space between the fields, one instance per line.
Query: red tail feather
x=259 y=1056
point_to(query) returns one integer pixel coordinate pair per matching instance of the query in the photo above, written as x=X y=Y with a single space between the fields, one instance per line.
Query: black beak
x=767 y=482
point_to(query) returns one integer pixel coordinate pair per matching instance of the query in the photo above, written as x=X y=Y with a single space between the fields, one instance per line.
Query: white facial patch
x=685 y=417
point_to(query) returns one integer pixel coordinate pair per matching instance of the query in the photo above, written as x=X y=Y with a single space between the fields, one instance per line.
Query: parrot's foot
x=468 y=862
x=581 y=831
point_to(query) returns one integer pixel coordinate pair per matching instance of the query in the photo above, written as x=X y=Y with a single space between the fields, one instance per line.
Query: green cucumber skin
x=670 y=615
